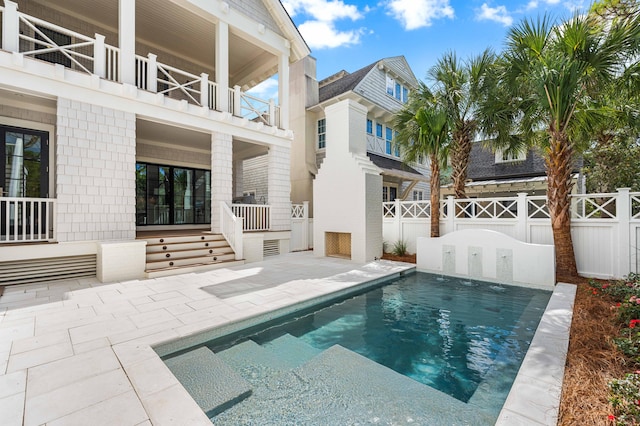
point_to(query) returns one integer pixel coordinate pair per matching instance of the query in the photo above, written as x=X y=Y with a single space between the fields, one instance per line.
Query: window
x=398 y=91
x=379 y=130
x=24 y=162
x=322 y=133
x=405 y=95
x=418 y=195
x=396 y=152
x=507 y=157
x=389 y=138
x=390 y=85
x=369 y=127
x=389 y=193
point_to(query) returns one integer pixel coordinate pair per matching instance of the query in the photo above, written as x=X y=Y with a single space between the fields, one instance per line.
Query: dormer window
x=397 y=89
x=507 y=157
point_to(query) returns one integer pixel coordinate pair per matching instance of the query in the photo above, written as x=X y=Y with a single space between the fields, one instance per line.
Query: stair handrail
x=231 y=228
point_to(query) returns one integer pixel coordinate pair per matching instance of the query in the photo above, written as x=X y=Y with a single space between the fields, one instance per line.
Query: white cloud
x=267 y=89
x=320 y=31
x=497 y=14
x=415 y=14
x=324 y=35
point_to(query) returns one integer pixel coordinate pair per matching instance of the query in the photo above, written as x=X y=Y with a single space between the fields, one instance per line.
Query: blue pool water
x=463 y=338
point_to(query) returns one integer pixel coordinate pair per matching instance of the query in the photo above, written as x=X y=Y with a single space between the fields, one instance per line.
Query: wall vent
x=48 y=269
x=271 y=248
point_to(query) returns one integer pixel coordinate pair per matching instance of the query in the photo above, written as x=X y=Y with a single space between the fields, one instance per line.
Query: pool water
x=457 y=344
x=443 y=332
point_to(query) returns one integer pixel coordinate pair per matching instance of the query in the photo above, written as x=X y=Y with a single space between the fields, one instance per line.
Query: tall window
x=322 y=133
x=369 y=126
x=405 y=95
x=379 y=130
x=398 y=91
x=389 y=139
x=391 y=84
x=24 y=161
x=396 y=151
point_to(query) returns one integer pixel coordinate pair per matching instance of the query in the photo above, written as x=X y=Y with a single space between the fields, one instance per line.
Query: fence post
x=397 y=216
x=10 y=26
x=99 y=57
x=204 y=90
x=152 y=73
x=523 y=217
x=305 y=224
x=451 y=214
x=623 y=212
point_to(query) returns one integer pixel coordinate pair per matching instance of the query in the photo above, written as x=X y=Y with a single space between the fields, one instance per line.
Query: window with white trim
x=396 y=89
x=379 y=130
x=508 y=157
x=418 y=195
x=369 y=126
x=389 y=139
x=322 y=133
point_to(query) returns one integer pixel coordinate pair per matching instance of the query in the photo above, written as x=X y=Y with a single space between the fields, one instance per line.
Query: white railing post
x=523 y=217
x=272 y=113
x=10 y=27
x=623 y=210
x=237 y=101
x=204 y=90
x=152 y=73
x=397 y=219
x=451 y=213
x=99 y=57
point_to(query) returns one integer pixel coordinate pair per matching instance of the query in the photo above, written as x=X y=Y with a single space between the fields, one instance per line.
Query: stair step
x=252 y=361
x=187 y=269
x=187 y=254
x=211 y=382
x=291 y=350
x=183 y=239
x=159 y=248
x=194 y=260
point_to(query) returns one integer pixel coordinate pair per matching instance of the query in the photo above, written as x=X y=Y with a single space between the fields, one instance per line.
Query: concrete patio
x=80 y=352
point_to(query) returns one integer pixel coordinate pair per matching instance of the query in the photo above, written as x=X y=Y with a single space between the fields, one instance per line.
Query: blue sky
x=350 y=34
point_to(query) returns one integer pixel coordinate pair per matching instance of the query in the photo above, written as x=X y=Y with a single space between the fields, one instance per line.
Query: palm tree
x=458 y=87
x=424 y=131
x=546 y=95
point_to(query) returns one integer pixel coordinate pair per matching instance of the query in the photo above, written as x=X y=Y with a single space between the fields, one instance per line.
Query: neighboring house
x=120 y=117
x=497 y=174
x=382 y=87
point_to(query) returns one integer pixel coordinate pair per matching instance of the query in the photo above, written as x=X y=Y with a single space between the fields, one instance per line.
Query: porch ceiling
x=165 y=26
x=179 y=136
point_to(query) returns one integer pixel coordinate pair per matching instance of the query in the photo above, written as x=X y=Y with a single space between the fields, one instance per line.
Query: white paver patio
x=78 y=351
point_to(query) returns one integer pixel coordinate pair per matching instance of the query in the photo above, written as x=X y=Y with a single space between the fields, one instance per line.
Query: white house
x=129 y=118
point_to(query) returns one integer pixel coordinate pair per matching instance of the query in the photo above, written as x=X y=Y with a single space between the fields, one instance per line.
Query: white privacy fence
x=301 y=227
x=605 y=227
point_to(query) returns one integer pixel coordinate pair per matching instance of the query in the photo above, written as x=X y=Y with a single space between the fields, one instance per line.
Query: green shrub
x=400 y=248
x=629 y=345
x=625 y=398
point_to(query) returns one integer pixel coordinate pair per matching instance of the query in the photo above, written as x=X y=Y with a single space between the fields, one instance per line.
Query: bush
x=400 y=248
x=630 y=345
x=625 y=398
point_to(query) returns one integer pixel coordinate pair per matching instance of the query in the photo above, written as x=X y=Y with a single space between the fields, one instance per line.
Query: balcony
x=185 y=72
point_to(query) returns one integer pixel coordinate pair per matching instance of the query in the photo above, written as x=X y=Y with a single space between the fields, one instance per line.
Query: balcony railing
x=43 y=40
x=27 y=219
x=255 y=217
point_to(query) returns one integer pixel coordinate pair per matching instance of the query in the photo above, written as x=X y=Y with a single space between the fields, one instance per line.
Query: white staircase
x=175 y=254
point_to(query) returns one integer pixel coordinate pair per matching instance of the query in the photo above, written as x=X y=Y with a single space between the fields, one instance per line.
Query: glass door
x=159 y=192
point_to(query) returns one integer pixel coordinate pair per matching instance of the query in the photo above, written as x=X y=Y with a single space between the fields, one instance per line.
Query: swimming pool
x=456 y=344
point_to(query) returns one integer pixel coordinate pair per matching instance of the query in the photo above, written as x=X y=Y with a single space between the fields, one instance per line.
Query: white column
x=279 y=187
x=283 y=89
x=522 y=226
x=451 y=214
x=10 y=25
x=623 y=210
x=152 y=73
x=99 y=56
x=222 y=65
x=221 y=175
x=238 y=177
x=127 y=40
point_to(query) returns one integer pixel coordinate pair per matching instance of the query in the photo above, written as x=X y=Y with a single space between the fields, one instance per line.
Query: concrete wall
x=95 y=181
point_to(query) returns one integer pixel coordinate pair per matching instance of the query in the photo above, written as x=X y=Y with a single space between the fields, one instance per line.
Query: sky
x=351 y=34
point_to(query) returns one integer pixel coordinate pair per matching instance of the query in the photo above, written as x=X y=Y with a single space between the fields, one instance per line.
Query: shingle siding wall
x=482 y=165
x=279 y=181
x=374 y=88
x=95 y=178
x=255 y=178
x=256 y=10
x=221 y=175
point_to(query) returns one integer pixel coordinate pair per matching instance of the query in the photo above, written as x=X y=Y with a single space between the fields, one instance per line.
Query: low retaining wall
x=489 y=256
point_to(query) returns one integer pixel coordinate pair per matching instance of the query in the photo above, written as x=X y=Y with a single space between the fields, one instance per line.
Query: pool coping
x=93 y=341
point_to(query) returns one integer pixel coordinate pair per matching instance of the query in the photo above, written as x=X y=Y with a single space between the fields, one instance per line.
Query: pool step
x=292 y=350
x=211 y=382
x=252 y=361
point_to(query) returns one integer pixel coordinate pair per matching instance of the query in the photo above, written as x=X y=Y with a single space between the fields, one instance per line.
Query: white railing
x=252 y=108
x=27 y=219
x=605 y=227
x=231 y=228
x=255 y=217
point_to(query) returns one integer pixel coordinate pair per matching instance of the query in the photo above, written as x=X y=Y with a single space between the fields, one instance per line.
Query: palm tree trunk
x=559 y=164
x=460 y=158
x=435 y=196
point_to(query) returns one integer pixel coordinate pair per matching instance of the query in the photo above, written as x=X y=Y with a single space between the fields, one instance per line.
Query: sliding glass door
x=168 y=195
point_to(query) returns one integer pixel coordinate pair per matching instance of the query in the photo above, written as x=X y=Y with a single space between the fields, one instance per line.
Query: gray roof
x=391 y=165
x=344 y=84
